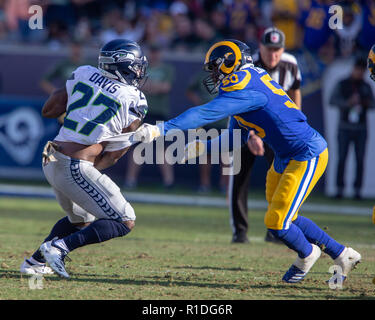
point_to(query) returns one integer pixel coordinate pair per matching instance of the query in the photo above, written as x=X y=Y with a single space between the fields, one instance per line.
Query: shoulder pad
x=82 y=70
x=236 y=81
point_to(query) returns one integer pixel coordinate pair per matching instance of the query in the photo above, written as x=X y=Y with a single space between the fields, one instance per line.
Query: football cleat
x=347 y=261
x=299 y=269
x=55 y=256
x=30 y=268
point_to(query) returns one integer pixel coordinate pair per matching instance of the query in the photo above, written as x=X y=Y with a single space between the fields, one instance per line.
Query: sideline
x=201 y=201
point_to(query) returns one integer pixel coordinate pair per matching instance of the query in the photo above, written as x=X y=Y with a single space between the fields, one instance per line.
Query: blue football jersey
x=256 y=102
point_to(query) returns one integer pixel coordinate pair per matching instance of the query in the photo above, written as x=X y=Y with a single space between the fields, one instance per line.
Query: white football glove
x=193 y=150
x=147 y=133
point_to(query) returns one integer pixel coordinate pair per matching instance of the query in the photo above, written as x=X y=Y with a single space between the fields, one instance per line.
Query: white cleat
x=299 y=269
x=347 y=261
x=29 y=268
x=55 y=257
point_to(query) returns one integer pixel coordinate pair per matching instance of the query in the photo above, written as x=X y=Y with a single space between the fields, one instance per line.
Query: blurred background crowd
x=192 y=25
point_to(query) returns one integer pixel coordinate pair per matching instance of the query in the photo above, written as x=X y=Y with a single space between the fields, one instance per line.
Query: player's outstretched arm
x=55 y=105
x=223 y=144
x=221 y=107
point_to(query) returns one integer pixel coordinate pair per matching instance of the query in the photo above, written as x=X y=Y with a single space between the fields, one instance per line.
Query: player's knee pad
x=270 y=189
x=276 y=215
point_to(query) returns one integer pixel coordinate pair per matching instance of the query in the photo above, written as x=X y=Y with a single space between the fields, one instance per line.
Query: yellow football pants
x=285 y=192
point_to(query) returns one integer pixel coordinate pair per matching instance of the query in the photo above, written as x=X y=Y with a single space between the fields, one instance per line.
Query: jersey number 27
x=87 y=92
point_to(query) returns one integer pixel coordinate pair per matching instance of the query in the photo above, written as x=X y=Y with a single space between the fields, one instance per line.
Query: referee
x=283 y=68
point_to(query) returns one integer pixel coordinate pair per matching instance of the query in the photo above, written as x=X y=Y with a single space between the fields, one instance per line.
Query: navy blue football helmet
x=123 y=60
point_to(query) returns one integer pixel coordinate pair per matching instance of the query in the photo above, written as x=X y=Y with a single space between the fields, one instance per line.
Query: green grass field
x=178 y=253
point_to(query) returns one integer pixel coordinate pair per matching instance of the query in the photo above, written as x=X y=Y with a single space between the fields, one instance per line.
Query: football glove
x=147 y=133
x=193 y=150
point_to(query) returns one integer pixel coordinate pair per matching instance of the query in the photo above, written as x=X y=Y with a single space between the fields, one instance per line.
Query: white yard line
x=202 y=201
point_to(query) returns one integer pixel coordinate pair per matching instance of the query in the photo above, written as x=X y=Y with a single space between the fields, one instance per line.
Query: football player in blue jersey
x=257 y=104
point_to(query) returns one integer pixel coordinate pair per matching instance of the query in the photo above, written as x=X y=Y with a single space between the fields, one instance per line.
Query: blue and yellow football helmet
x=222 y=59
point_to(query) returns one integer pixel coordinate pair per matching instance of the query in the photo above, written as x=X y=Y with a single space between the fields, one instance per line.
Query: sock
x=98 y=231
x=61 y=229
x=32 y=261
x=317 y=236
x=294 y=239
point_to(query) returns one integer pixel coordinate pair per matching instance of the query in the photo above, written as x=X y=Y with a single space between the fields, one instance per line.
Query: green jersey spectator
x=158 y=85
x=63 y=70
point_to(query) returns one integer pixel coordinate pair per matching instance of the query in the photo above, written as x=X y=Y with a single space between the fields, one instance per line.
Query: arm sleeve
x=224 y=105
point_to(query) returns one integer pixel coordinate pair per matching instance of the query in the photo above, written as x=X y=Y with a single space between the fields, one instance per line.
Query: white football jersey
x=99 y=108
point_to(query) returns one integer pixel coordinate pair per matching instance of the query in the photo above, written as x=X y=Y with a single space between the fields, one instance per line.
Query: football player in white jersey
x=100 y=103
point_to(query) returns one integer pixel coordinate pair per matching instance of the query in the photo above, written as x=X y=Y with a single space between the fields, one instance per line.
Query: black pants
x=345 y=138
x=238 y=190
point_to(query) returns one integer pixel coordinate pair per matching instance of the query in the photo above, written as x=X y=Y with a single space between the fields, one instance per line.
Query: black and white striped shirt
x=286 y=73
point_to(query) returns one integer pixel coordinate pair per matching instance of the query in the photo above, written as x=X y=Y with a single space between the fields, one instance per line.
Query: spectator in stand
x=82 y=32
x=314 y=17
x=60 y=12
x=3 y=24
x=251 y=37
x=178 y=8
x=284 y=17
x=239 y=13
x=17 y=19
x=58 y=75
x=58 y=35
x=184 y=38
x=366 y=37
x=122 y=29
x=346 y=37
x=63 y=70
x=158 y=29
x=218 y=20
x=205 y=35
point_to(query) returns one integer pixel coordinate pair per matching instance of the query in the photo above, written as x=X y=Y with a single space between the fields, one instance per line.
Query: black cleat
x=240 y=239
